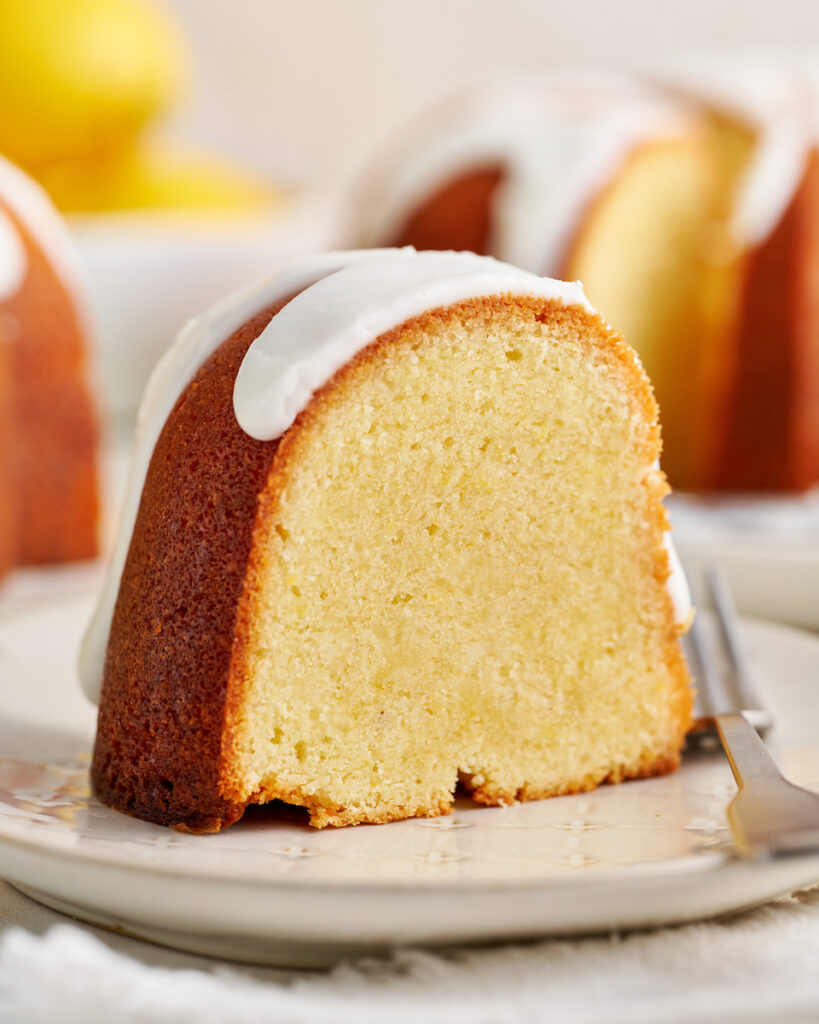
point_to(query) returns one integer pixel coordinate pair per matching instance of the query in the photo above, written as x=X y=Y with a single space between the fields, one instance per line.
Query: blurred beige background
x=303 y=89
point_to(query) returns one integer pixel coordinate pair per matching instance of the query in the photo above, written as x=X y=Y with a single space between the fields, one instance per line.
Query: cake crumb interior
x=460 y=575
x=654 y=257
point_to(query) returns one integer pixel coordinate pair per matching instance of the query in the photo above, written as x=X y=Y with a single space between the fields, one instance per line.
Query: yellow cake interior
x=655 y=256
x=460 y=574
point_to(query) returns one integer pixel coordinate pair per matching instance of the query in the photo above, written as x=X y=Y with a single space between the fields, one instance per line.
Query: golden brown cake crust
x=8 y=510
x=458 y=216
x=51 y=455
x=162 y=708
x=770 y=435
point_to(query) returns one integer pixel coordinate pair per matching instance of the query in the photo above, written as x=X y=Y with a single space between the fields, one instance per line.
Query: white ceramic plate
x=771 y=578
x=767 y=546
x=270 y=890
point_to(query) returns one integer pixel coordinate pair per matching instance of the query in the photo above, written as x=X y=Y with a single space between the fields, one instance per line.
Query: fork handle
x=748 y=756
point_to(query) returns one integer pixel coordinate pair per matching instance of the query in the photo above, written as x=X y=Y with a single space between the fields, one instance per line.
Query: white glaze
x=13 y=259
x=775 y=173
x=31 y=205
x=560 y=141
x=677 y=584
x=787 y=134
x=324 y=327
x=349 y=299
x=779 y=103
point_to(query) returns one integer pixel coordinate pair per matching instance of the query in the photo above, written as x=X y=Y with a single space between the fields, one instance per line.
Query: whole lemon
x=80 y=76
x=150 y=175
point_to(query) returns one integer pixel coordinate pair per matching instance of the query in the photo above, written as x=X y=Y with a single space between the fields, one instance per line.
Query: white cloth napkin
x=758 y=966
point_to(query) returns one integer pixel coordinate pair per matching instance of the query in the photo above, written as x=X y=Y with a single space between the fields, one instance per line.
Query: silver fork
x=769 y=816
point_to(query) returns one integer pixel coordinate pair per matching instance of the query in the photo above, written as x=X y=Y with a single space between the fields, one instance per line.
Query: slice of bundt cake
x=48 y=428
x=394 y=520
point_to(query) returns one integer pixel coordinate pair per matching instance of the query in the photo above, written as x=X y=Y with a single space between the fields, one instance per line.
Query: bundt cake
x=763 y=123
x=690 y=224
x=48 y=428
x=394 y=521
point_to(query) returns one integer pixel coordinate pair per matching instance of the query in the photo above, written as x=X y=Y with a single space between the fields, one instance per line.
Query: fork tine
x=769 y=816
x=738 y=674
x=701 y=669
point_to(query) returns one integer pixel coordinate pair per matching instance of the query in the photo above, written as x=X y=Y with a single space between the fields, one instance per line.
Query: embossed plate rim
x=281 y=918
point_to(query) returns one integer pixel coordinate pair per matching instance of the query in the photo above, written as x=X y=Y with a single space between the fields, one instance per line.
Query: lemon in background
x=152 y=175
x=82 y=76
